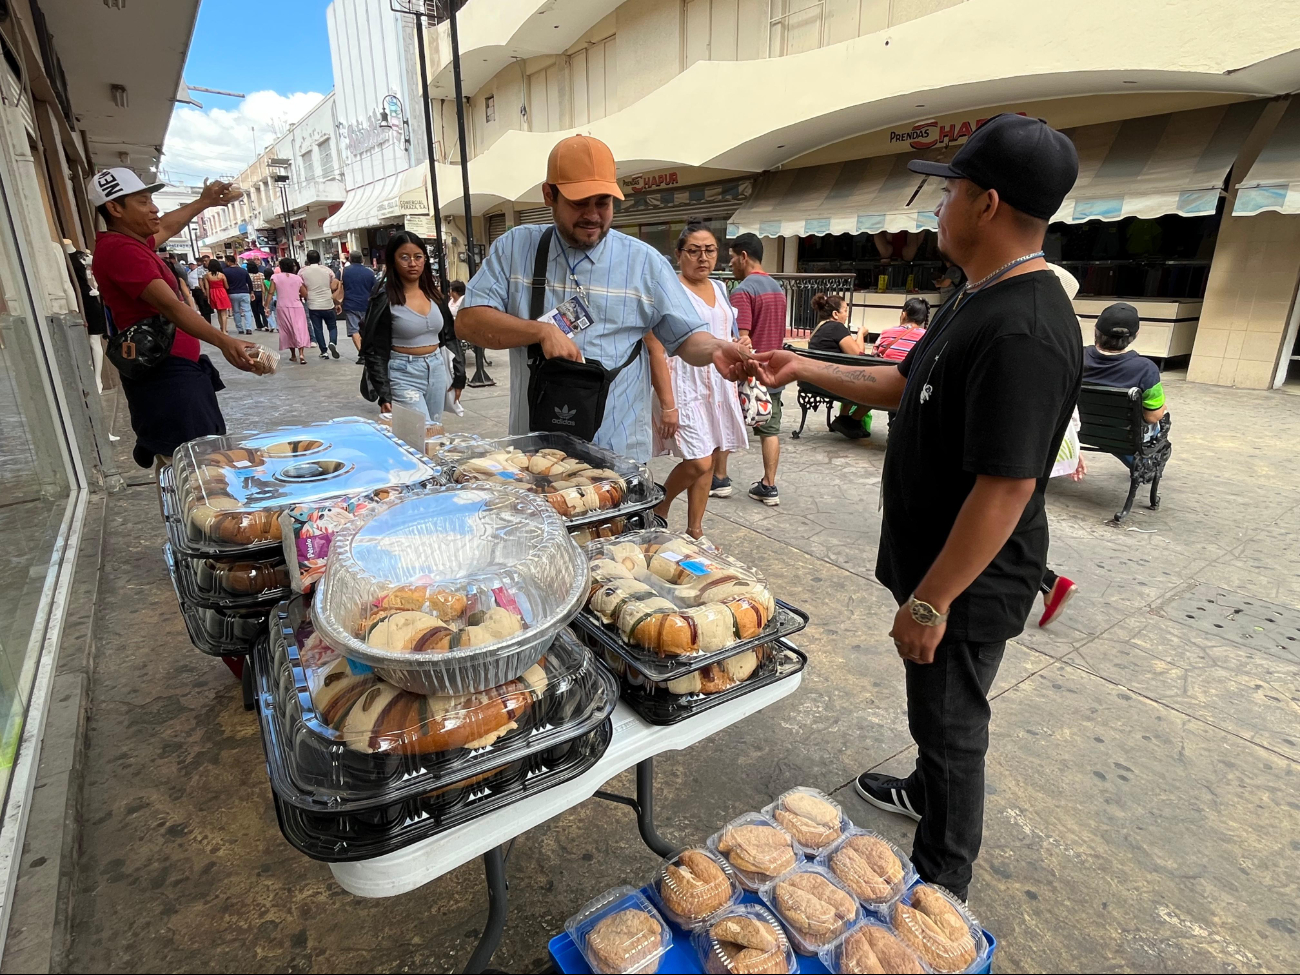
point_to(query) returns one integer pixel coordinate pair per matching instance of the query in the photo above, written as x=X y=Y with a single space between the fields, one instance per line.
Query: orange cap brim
x=589 y=187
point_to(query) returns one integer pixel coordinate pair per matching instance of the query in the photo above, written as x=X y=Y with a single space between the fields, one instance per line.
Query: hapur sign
x=933 y=134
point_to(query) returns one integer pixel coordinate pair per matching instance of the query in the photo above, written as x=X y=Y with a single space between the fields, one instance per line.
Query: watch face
x=923 y=613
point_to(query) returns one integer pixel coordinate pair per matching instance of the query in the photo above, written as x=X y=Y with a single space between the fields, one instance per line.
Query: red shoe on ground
x=1054 y=601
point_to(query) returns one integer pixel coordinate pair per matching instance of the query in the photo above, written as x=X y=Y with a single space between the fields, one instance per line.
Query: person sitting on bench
x=1110 y=362
x=832 y=334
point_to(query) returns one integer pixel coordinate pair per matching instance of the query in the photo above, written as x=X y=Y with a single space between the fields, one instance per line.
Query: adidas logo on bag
x=564 y=415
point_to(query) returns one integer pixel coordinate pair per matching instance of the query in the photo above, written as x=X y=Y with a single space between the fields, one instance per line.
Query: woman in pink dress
x=288 y=291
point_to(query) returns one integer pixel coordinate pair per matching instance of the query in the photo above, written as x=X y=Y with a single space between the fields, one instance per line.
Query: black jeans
x=323 y=317
x=948 y=715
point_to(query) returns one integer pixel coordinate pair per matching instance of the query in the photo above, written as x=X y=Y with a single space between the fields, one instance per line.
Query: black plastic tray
x=786 y=621
x=210 y=593
x=313 y=767
x=632 y=522
x=214 y=631
x=342 y=837
x=659 y=706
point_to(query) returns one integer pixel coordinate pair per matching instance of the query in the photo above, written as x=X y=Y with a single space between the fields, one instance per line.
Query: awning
x=1273 y=183
x=384 y=200
x=1159 y=164
x=855 y=197
x=713 y=200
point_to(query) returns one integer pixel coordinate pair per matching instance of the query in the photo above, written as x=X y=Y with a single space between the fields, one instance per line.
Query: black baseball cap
x=1029 y=163
x=1119 y=321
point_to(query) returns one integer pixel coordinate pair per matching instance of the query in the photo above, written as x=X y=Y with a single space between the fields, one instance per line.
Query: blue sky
x=276 y=53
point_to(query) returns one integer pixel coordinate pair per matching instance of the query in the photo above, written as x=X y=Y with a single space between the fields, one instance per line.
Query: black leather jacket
x=377 y=343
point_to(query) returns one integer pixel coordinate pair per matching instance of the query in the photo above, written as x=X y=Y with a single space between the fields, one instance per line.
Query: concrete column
x=790 y=255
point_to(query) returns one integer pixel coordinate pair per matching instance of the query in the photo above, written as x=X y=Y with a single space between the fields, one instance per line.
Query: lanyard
x=573 y=268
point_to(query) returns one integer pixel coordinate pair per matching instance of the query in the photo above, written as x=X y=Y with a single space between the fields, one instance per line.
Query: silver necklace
x=990 y=278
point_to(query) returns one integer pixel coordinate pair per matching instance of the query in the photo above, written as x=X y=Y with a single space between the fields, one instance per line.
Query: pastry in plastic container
x=340 y=738
x=232 y=583
x=813 y=904
x=872 y=868
x=757 y=849
x=871 y=948
x=692 y=885
x=213 y=630
x=813 y=818
x=452 y=589
x=612 y=527
x=620 y=931
x=745 y=940
x=582 y=482
x=229 y=490
x=939 y=929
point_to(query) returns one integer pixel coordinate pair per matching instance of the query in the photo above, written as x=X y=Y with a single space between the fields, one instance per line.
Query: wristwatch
x=925 y=614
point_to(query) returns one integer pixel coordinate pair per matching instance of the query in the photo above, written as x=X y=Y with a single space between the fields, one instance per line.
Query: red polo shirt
x=123 y=268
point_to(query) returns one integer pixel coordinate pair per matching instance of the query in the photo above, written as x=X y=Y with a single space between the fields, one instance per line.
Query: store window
x=592 y=73
x=1163 y=257
x=544 y=101
x=887 y=261
x=794 y=26
x=308 y=170
x=325 y=154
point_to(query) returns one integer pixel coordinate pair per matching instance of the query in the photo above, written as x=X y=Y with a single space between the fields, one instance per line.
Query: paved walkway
x=1143 y=807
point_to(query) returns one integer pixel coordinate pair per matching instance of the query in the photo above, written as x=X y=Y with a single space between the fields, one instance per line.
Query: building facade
x=795 y=119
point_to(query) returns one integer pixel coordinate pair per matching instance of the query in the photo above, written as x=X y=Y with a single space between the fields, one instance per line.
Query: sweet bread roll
x=868 y=867
x=628 y=941
x=746 y=944
x=443 y=603
x=933 y=929
x=695 y=886
x=336 y=689
x=402 y=630
x=814 y=907
x=813 y=822
x=757 y=849
x=871 y=950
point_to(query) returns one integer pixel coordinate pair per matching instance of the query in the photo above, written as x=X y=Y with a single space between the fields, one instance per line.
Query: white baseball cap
x=113 y=184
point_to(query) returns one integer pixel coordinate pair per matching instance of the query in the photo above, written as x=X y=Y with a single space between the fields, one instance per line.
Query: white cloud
x=213 y=142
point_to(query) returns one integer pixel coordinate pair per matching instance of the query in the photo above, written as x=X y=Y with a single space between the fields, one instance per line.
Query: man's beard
x=573 y=242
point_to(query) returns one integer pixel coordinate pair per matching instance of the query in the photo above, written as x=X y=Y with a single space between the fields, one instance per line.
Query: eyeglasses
x=695 y=253
x=410 y=258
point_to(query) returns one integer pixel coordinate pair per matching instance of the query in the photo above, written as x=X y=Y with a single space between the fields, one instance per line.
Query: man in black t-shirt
x=983 y=401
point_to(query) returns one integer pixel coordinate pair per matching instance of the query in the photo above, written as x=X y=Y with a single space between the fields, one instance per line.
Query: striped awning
x=1273 y=183
x=385 y=200
x=1158 y=164
x=855 y=197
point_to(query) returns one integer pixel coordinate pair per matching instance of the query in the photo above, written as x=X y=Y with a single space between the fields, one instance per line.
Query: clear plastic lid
x=873 y=869
x=238 y=583
x=308 y=530
x=338 y=737
x=745 y=939
x=693 y=885
x=941 y=930
x=757 y=849
x=620 y=931
x=611 y=527
x=581 y=481
x=231 y=489
x=813 y=904
x=452 y=589
x=813 y=818
x=870 y=947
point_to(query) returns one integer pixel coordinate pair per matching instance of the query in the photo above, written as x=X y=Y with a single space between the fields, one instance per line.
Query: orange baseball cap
x=581 y=167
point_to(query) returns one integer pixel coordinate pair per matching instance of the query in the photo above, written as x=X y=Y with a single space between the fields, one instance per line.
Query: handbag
x=755 y=402
x=565 y=396
x=140 y=349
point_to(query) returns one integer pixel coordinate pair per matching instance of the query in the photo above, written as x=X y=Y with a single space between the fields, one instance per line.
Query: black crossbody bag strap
x=537 y=303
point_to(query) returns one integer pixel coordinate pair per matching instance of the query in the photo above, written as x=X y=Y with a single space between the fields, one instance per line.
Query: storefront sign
x=933 y=134
x=650 y=181
x=423 y=226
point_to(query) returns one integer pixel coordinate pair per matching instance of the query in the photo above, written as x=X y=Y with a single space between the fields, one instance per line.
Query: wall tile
x=1253 y=375
x=1232 y=349
x=1204 y=368
x=1260 y=347
x=1210 y=342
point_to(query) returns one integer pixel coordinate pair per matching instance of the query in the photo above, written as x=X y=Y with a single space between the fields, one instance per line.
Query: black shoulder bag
x=140 y=349
x=565 y=396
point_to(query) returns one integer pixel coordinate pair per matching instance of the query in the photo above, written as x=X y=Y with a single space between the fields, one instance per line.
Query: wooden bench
x=1112 y=423
x=813 y=398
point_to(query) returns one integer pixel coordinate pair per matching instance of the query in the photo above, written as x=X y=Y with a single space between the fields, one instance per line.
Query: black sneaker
x=721 y=488
x=333 y=351
x=886 y=792
x=324 y=355
x=767 y=493
x=849 y=427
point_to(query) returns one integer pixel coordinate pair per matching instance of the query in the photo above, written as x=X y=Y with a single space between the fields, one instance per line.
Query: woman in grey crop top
x=402 y=335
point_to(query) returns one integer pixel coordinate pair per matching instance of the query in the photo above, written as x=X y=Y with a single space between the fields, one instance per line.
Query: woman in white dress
x=697 y=415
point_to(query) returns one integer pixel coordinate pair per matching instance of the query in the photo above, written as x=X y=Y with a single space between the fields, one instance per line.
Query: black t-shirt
x=826 y=337
x=990 y=390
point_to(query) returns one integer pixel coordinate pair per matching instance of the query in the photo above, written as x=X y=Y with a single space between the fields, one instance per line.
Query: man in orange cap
x=583 y=363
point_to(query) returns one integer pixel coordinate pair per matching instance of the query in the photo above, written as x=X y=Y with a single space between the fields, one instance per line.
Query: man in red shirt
x=176 y=402
x=760 y=317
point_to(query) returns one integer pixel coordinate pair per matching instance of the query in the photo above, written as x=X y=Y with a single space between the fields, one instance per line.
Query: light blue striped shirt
x=630 y=288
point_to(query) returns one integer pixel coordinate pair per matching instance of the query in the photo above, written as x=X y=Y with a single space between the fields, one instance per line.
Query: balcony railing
x=316 y=192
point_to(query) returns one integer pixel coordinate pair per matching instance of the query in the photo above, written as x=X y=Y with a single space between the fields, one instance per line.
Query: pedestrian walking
x=983 y=401
x=701 y=420
x=403 y=332
x=174 y=400
x=256 y=292
x=624 y=289
x=358 y=283
x=760 y=316
x=288 y=292
x=214 y=288
x=456 y=348
x=324 y=291
x=239 y=287
x=268 y=298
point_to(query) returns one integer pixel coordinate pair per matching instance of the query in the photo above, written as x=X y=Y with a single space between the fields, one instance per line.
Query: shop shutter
x=496 y=226
x=535 y=215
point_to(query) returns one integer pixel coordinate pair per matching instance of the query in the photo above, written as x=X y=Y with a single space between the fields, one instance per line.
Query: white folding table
x=635 y=742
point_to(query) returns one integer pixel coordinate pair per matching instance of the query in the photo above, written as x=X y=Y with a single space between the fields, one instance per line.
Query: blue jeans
x=420 y=382
x=241 y=309
x=321 y=317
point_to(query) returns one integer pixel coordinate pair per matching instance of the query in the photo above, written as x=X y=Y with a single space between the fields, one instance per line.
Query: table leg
x=644 y=805
x=494 y=866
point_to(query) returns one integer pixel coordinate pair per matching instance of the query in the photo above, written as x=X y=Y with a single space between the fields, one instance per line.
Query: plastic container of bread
x=339 y=738
x=744 y=938
x=620 y=931
x=940 y=930
x=757 y=848
x=872 y=869
x=215 y=631
x=811 y=817
x=813 y=905
x=668 y=702
x=671 y=606
x=870 y=945
x=232 y=583
x=612 y=527
x=693 y=885
x=229 y=490
x=450 y=590
x=583 y=482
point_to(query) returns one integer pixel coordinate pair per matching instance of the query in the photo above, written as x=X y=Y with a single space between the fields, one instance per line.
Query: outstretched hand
x=777 y=368
x=238 y=353
x=731 y=361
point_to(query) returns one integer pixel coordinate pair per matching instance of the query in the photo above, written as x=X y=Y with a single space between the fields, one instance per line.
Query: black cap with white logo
x=1029 y=163
x=1119 y=321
